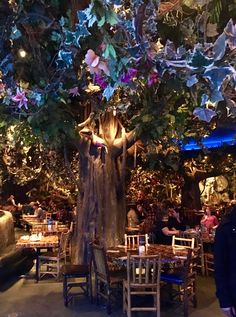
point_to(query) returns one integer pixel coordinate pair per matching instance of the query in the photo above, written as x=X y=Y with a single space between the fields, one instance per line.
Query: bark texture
x=101 y=205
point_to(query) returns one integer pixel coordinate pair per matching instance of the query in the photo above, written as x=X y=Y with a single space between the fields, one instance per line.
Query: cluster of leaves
x=113 y=51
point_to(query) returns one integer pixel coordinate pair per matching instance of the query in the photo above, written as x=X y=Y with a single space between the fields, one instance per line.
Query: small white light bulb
x=22 y=53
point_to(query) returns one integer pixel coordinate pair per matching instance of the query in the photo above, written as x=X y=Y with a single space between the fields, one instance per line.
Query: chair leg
x=97 y=287
x=124 y=298
x=157 y=304
x=194 y=296
x=128 y=304
x=108 y=300
x=65 y=291
x=185 y=303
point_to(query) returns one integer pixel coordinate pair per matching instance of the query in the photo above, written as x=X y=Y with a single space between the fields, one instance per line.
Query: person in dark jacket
x=225 y=261
x=162 y=234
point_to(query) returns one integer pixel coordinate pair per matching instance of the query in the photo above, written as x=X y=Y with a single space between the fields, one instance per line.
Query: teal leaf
x=69 y=37
x=62 y=21
x=111 y=18
x=81 y=32
x=56 y=37
x=92 y=20
x=110 y=51
x=65 y=59
x=15 y=33
x=108 y=92
x=101 y=22
x=198 y=60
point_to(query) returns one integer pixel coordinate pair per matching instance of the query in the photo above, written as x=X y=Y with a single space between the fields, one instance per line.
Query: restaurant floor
x=26 y=298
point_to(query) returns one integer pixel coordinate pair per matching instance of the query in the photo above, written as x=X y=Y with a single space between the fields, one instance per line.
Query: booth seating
x=13 y=261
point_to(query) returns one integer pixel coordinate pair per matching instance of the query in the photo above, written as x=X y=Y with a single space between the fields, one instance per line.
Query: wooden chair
x=198 y=244
x=184 y=277
x=143 y=278
x=106 y=282
x=75 y=276
x=134 y=240
x=188 y=243
x=209 y=263
x=49 y=263
x=69 y=245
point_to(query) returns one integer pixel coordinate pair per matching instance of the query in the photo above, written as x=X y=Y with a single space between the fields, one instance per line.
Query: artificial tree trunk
x=191 y=195
x=101 y=205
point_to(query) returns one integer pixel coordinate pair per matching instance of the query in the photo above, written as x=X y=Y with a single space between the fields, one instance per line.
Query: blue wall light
x=217 y=138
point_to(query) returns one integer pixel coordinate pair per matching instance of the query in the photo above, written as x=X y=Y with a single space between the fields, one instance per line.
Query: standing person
x=224 y=262
x=208 y=220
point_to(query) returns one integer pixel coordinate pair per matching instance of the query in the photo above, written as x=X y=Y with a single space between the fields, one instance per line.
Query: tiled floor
x=25 y=298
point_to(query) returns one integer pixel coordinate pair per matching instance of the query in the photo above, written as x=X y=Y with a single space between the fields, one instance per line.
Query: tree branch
x=87 y=121
x=130 y=139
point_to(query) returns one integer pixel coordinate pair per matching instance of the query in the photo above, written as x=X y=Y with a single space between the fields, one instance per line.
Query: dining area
x=157 y=272
x=135 y=277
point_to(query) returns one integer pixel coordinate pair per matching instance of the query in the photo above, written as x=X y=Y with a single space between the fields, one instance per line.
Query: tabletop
x=167 y=252
x=38 y=241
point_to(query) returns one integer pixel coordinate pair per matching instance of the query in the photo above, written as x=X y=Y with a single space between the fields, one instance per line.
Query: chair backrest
x=100 y=263
x=134 y=240
x=144 y=270
x=188 y=243
x=64 y=239
x=186 y=267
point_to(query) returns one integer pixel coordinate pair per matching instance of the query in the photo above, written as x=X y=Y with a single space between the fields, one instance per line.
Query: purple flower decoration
x=20 y=98
x=100 y=81
x=128 y=76
x=74 y=92
x=152 y=79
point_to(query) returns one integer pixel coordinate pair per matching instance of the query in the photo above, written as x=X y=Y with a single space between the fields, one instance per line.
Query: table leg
x=37 y=265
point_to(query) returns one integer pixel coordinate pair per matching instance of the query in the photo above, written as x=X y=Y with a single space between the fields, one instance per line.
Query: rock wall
x=7 y=235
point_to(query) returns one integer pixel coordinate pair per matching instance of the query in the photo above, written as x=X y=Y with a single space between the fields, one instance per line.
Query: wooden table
x=167 y=252
x=133 y=230
x=38 y=242
x=28 y=221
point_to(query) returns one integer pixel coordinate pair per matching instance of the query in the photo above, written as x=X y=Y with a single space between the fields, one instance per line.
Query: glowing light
x=22 y=53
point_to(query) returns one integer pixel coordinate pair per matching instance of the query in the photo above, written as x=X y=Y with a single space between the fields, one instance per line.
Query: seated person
x=38 y=211
x=11 y=200
x=147 y=225
x=28 y=209
x=208 y=220
x=161 y=231
x=132 y=216
x=174 y=220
